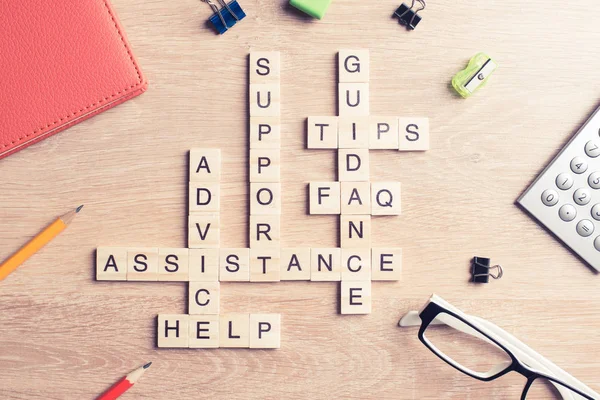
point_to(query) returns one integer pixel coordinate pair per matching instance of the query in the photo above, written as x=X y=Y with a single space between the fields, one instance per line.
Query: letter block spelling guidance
x=356 y=198
x=356 y=264
x=353 y=99
x=353 y=132
x=111 y=264
x=324 y=197
x=355 y=231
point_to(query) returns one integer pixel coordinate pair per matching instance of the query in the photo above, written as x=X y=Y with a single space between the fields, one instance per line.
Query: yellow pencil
x=35 y=244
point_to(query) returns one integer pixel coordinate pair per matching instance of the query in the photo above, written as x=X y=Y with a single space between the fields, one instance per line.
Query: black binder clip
x=226 y=17
x=481 y=270
x=408 y=16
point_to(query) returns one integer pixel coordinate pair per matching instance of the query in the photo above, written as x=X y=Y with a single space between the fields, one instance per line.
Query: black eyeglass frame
x=430 y=313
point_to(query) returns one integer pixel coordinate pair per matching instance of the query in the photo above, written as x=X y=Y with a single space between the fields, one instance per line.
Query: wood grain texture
x=64 y=335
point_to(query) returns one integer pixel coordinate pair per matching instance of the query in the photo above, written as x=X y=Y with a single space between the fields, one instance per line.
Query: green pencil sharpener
x=475 y=76
x=314 y=8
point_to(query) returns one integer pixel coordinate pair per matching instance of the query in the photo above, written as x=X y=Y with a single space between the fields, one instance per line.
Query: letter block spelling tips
x=353 y=65
x=205 y=165
x=355 y=231
x=322 y=132
x=353 y=99
x=204 y=197
x=265 y=198
x=173 y=264
x=264 y=265
x=204 y=265
x=353 y=165
x=234 y=330
x=386 y=198
x=356 y=297
x=295 y=264
x=414 y=134
x=111 y=264
x=142 y=264
x=173 y=330
x=265 y=331
x=234 y=265
x=203 y=231
x=356 y=264
x=265 y=133
x=204 y=331
x=325 y=265
x=264 y=66
x=324 y=197
x=264 y=99
x=204 y=297
x=386 y=264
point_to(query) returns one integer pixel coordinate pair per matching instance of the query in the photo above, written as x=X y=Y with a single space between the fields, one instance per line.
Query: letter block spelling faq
x=205 y=165
x=356 y=198
x=265 y=133
x=204 y=297
x=356 y=297
x=173 y=264
x=204 y=265
x=264 y=99
x=355 y=231
x=325 y=264
x=234 y=330
x=353 y=99
x=414 y=134
x=204 y=197
x=204 y=331
x=265 y=331
x=386 y=198
x=265 y=265
x=295 y=264
x=142 y=264
x=322 y=132
x=234 y=265
x=265 y=231
x=386 y=264
x=383 y=133
x=203 y=231
x=111 y=264
x=324 y=197
x=353 y=165
x=265 y=198
x=356 y=264
x=265 y=165
x=173 y=330
x=265 y=66
x=353 y=65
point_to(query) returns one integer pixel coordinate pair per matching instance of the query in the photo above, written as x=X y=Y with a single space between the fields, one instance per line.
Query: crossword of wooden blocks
x=356 y=197
x=265 y=198
x=353 y=65
x=204 y=297
x=353 y=100
x=265 y=331
x=386 y=264
x=325 y=264
x=356 y=264
x=386 y=198
x=142 y=264
x=111 y=264
x=234 y=265
x=265 y=66
x=324 y=197
x=205 y=165
x=173 y=330
x=204 y=331
x=264 y=165
x=265 y=133
x=173 y=264
x=265 y=265
x=204 y=265
x=322 y=132
x=234 y=330
x=204 y=197
x=383 y=133
x=265 y=231
x=355 y=297
x=414 y=134
x=204 y=231
x=295 y=264
x=355 y=231
x=264 y=99
x=353 y=133
x=353 y=165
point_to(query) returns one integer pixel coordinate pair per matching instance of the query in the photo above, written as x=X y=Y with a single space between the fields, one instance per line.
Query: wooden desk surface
x=65 y=336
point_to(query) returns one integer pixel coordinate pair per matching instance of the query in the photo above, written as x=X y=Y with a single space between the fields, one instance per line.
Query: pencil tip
x=79 y=208
x=148 y=365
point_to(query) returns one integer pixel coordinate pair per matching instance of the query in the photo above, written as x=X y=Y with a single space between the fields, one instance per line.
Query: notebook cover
x=61 y=61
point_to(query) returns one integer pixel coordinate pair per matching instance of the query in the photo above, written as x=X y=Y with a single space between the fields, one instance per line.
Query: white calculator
x=566 y=196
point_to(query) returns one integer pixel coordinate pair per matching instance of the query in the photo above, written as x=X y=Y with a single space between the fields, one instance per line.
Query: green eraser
x=314 y=8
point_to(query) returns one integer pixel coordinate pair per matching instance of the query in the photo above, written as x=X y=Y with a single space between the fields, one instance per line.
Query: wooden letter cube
x=355 y=231
x=204 y=231
x=386 y=264
x=173 y=264
x=353 y=99
x=356 y=264
x=204 y=197
x=322 y=133
x=204 y=265
x=111 y=264
x=265 y=331
x=142 y=264
x=234 y=330
x=234 y=265
x=356 y=297
x=353 y=133
x=173 y=330
x=264 y=265
x=264 y=66
x=265 y=198
x=386 y=198
x=204 y=298
x=264 y=99
x=204 y=331
x=264 y=165
x=265 y=231
x=265 y=133
x=295 y=264
x=325 y=265
x=353 y=165
x=414 y=134
x=353 y=65
x=324 y=197
x=383 y=133
x=205 y=165
x=356 y=198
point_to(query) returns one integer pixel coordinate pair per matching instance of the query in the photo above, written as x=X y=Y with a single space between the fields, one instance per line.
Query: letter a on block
x=203 y=231
x=173 y=330
x=205 y=165
x=295 y=264
x=111 y=264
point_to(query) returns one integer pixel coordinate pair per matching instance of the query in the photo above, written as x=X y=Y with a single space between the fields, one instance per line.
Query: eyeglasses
x=486 y=352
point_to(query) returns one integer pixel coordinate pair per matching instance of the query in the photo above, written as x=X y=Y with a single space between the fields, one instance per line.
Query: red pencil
x=124 y=384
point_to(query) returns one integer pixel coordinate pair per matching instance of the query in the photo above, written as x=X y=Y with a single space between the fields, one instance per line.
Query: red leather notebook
x=61 y=61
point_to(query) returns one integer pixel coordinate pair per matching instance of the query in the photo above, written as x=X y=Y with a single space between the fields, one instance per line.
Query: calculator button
x=592 y=149
x=567 y=213
x=585 y=227
x=582 y=196
x=578 y=165
x=565 y=181
x=550 y=197
x=596 y=212
x=594 y=180
x=597 y=243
